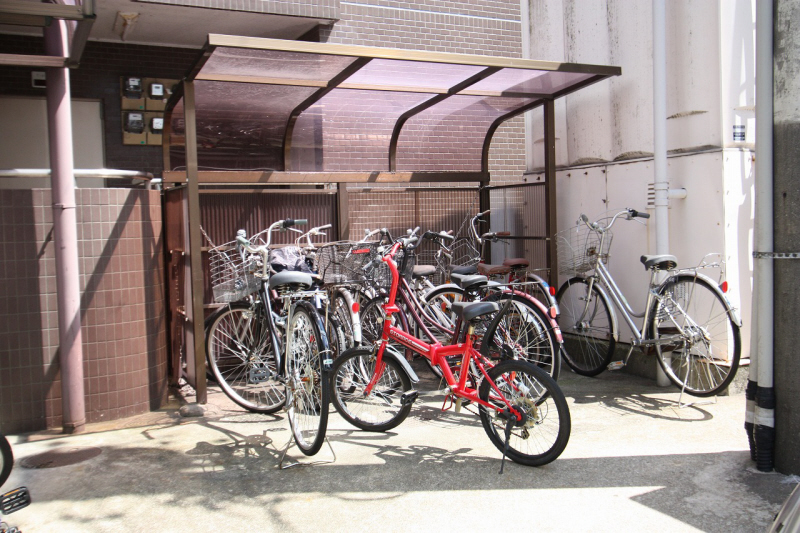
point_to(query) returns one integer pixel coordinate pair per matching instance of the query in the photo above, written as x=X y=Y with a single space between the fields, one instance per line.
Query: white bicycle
x=688 y=320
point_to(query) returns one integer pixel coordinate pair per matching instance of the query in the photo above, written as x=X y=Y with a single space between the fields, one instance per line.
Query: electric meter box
x=155 y=127
x=131 y=93
x=133 y=128
x=158 y=92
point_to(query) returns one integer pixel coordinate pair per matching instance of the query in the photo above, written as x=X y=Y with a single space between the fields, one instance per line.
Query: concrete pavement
x=635 y=462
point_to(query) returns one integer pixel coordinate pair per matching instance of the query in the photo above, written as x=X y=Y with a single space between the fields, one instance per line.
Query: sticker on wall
x=738 y=132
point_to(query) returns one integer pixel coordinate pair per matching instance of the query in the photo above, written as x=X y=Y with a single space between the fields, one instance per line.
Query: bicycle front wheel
x=241 y=357
x=307 y=385
x=701 y=345
x=381 y=409
x=586 y=326
x=542 y=434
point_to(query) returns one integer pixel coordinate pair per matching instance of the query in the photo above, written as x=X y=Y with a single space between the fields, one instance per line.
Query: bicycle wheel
x=704 y=360
x=341 y=310
x=437 y=306
x=543 y=433
x=586 y=326
x=381 y=410
x=241 y=357
x=6 y=459
x=307 y=385
x=523 y=332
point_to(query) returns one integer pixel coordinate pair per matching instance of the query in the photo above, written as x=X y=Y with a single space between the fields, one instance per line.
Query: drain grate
x=61 y=457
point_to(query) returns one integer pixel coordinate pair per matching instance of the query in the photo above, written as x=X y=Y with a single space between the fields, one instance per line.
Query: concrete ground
x=635 y=462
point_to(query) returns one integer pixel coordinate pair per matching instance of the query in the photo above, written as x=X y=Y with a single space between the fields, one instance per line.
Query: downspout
x=59 y=119
x=760 y=414
x=661 y=181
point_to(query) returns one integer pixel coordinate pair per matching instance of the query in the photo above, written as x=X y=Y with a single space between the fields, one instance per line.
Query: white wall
x=25 y=118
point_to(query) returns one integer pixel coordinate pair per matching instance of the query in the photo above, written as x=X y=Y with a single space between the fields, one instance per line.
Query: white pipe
x=762 y=355
x=661 y=181
x=79 y=173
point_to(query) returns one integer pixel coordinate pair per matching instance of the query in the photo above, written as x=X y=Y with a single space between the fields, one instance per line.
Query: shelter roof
x=275 y=105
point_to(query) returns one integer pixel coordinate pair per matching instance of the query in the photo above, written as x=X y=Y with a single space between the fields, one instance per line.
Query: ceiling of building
x=128 y=21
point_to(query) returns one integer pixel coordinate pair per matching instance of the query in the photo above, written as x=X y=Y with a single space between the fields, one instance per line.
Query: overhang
x=273 y=108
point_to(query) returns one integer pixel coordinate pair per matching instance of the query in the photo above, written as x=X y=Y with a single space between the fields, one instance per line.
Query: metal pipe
x=59 y=118
x=761 y=409
x=78 y=173
x=661 y=182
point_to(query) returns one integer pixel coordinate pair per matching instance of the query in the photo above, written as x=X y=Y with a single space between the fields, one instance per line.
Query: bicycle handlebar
x=628 y=213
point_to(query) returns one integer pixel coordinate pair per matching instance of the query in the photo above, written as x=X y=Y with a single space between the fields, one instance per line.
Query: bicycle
x=14 y=500
x=273 y=352
x=688 y=320
x=372 y=385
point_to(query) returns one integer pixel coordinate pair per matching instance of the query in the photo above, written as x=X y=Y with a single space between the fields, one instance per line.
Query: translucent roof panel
x=349 y=130
x=437 y=77
x=449 y=136
x=240 y=126
x=279 y=65
x=534 y=82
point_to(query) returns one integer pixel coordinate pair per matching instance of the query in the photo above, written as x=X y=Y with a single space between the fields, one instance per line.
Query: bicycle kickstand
x=509 y=424
x=308 y=463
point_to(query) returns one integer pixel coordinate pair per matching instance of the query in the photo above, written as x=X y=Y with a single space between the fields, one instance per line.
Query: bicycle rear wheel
x=382 y=409
x=307 y=383
x=544 y=431
x=704 y=360
x=241 y=357
x=587 y=327
x=523 y=332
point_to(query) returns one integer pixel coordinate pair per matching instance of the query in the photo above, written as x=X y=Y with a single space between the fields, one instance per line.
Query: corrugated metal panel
x=223 y=214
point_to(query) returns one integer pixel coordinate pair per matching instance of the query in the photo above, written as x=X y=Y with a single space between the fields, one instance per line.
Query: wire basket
x=579 y=249
x=343 y=262
x=233 y=276
x=382 y=276
x=431 y=257
x=465 y=252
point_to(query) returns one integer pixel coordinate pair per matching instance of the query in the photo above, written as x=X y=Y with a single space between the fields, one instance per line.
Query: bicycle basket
x=465 y=253
x=233 y=277
x=579 y=249
x=344 y=262
x=430 y=257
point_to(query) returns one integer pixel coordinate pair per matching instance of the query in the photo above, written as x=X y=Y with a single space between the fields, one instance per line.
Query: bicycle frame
x=435 y=352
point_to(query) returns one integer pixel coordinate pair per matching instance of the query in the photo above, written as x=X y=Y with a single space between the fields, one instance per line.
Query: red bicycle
x=522 y=409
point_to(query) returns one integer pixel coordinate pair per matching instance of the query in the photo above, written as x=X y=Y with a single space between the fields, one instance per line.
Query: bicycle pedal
x=15 y=500
x=409 y=397
x=616 y=365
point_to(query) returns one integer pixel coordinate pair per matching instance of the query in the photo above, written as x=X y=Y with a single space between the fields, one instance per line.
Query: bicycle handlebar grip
x=301 y=222
x=503 y=233
x=372 y=264
x=484 y=213
x=635 y=213
x=447 y=236
x=326 y=226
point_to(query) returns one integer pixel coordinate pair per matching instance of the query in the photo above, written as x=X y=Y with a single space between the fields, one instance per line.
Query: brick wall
x=482 y=27
x=122 y=307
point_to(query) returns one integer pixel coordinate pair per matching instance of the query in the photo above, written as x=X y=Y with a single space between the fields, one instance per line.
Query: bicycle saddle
x=466 y=281
x=468 y=270
x=420 y=271
x=516 y=263
x=471 y=310
x=301 y=280
x=659 y=262
x=493 y=270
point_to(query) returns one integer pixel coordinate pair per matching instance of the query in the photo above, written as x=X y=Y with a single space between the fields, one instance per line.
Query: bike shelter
x=260 y=112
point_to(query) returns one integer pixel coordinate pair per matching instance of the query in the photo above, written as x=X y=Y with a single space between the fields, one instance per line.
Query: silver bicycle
x=688 y=320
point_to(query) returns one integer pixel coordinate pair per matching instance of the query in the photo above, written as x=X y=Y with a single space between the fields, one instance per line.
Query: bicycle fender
x=327 y=356
x=445 y=286
x=397 y=356
x=714 y=286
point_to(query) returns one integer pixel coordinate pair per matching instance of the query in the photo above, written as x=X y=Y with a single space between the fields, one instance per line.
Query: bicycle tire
x=706 y=367
x=436 y=306
x=341 y=310
x=530 y=389
x=6 y=459
x=241 y=358
x=535 y=342
x=307 y=382
x=588 y=336
x=382 y=410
